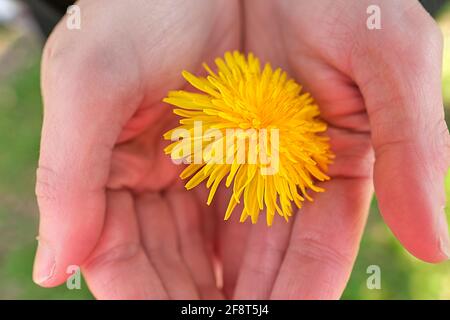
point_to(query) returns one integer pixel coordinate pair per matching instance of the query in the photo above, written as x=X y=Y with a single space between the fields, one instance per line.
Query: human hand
x=380 y=92
x=105 y=189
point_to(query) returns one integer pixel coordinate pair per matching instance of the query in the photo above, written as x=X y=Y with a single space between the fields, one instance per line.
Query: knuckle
x=96 y=64
x=428 y=42
x=413 y=33
x=441 y=145
x=433 y=31
x=49 y=185
x=77 y=61
x=412 y=46
x=56 y=188
x=422 y=35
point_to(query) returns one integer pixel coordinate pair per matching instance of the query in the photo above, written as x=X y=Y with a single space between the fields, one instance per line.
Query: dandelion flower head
x=254 y=130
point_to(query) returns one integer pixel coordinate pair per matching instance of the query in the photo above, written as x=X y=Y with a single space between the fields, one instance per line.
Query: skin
x=110 y=200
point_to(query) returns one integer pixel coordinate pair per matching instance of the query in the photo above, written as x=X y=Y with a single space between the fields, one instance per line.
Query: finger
x=324 y=242
x=119 y=268
x=86 y=101
x=187 y=215
x=160 y=239
x=402 y=91
x=209 y=221
x=231 y=242
x=210 y=229
x=340 y=101
x=262 y=259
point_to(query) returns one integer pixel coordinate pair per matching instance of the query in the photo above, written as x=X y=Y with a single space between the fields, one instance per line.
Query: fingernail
x=44 y=263
x=444 y=241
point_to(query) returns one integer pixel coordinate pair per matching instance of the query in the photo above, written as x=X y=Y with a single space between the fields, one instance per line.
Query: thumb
x=409 y=134
x=86 y=104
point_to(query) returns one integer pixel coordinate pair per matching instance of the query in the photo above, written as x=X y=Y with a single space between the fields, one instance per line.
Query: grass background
x=402 y=276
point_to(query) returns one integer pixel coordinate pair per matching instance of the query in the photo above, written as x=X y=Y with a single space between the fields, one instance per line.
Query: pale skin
x=111 y=202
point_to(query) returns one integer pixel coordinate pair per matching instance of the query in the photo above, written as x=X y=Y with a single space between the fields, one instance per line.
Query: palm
x=312 y=255
x=171 y=223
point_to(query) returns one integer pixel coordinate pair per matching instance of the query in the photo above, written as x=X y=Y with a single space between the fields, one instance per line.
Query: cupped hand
x=106 y=191
x=380 y=92
x=109 y=198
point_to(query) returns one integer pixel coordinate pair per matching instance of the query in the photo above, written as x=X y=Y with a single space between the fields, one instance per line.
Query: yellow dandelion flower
x=254 y=129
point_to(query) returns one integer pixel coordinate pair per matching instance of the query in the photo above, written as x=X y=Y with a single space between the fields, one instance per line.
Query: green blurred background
x=402 y=276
